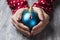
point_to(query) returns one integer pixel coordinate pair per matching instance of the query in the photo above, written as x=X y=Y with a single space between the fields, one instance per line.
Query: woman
x=43 y=9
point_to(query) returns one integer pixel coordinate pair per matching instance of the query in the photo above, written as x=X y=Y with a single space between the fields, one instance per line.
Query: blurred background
x=8 y=32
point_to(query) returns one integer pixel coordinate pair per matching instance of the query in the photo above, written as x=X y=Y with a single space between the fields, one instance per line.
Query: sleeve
x=46 y=5
x=17 y=4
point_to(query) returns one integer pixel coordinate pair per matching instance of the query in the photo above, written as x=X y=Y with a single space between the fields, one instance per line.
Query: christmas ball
x=30 y=19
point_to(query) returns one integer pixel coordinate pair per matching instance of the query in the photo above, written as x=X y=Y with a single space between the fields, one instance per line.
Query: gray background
x=8 y=32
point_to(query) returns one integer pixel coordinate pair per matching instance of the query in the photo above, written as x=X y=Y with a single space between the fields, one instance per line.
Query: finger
x=37 y=31
x=19 y=12
x=20 y=25
x=23 y=26
x=26 y=33
x=39 y=11
x=38 y=28
x=42 y=23
x=46 y=16
x=39 y=25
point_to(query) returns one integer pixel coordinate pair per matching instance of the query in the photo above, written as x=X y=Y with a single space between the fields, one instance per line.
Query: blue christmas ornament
x=30 y=18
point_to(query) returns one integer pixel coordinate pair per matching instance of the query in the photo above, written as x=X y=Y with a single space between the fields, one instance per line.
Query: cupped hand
x=44 y=17
x=36 y=29
x=17 y=23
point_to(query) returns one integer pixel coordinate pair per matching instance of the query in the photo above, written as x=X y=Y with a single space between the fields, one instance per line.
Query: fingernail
x=18 y=19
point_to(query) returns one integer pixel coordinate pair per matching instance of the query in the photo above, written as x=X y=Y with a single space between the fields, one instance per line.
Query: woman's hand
x=15 y=21
x=42 y=24
x=36 y=29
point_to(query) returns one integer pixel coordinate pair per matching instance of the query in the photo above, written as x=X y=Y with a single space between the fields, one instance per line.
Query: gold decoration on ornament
x=30 y=10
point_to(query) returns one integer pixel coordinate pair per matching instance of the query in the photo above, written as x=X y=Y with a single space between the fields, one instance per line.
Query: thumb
x=19 y=13
x=39 y=12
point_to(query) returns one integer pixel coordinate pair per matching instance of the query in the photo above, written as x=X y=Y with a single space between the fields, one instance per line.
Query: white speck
x=18 y=7
x=18 y=3
x=41 y=1
x=34 y=5
x=14 y=4
x=36 y=2
x=42 y=7
x=21 y=2
x=13 y=1
x=24 y=0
